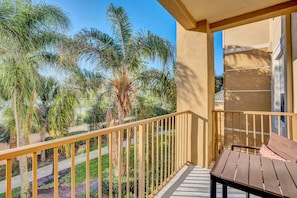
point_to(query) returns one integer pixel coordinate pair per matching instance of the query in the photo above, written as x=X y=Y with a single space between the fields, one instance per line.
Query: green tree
x=219 y=83
x=123 y=58
x=28 y=36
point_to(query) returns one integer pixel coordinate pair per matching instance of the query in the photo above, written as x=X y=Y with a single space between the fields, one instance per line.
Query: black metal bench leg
x=213 y=188
x=224 y=191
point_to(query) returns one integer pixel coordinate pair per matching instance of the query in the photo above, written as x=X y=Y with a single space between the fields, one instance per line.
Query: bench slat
x=285 y=180
x=231 y=164
x=255 y=173
x=292 y=167
x=243 y=166
x=219 y=167
x=284 y=147
x=269 y=176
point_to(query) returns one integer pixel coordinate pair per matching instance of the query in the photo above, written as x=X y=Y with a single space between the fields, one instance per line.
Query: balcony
x=158 y=157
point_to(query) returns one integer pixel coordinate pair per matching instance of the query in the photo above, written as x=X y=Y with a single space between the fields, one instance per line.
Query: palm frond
x=98 y=48
x=121 y=26
x=155 y=48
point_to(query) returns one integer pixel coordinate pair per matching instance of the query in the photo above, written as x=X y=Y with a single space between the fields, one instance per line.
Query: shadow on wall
x=240 y=54
x=189 y=88
x=248 y=80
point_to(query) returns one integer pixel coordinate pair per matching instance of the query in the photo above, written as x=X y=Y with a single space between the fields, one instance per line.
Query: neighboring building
x=219 y=100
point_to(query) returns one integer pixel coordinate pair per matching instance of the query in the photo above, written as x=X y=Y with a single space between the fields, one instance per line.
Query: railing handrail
x=257 y=112
x=32 y=148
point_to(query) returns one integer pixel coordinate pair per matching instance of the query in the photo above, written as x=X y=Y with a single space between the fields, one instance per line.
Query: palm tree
x=123 y=58
x=28 y=35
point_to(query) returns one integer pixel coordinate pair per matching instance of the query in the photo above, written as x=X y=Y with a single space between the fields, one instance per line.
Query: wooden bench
x=281 y=146
x=256 y=174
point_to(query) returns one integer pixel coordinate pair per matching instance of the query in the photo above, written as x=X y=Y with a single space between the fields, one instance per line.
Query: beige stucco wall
x=275 y=31
x=294 y=57
x=195 y=90
x=247 y=67
x=253 y=79
x=248 y=35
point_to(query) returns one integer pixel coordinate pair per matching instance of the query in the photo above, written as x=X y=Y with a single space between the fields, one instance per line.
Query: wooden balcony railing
x=150 y=152
x=251 y=128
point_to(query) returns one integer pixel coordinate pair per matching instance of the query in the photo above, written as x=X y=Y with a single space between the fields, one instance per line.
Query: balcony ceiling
x=196 y=14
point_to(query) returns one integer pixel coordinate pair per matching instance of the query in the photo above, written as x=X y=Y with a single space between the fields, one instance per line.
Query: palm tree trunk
x=21 y=141
x=42 y=139
x=13 y=144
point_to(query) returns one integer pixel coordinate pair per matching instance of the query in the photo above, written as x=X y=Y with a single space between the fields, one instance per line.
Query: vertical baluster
x=226 y=129
x=162 y=158
x=88 y=168
x=135 y=161
x=233 y=134
x=175 y=145
x=8 y=178
x=147 y=159
x=254 y=129
x=128 y=161
x=169 y=146
x=177 y=138
x=120 y=161
x=184 y=144
x=56 y=172
x=100 y=166
x=262 y=130
x=270 y=125
x=220 y=128
x=288 y=118
x=73 y=169
x=110 y=163
x=166 y=150
x=153 y=157
x=141 y=171
x=179 y=146
x=216 y=130
x=157 y=148
x=239 y=126
x=34 y=176
x=187 y=138
x=278 y=124
x=246 y=130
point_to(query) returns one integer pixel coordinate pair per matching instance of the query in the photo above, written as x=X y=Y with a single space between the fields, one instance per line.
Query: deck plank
x=291 y=166
x=229 y=170
x=285 y=179
x=255 y=174
x=217 y=170
x=270 y=179
x=242 y=176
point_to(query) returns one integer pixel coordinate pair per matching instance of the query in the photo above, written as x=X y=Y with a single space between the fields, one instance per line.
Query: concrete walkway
x=47 y=170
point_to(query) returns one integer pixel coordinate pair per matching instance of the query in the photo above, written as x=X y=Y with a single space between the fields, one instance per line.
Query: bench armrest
x=243 y=146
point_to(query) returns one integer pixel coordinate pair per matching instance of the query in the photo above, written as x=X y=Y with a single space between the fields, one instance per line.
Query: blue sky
x=144 y=15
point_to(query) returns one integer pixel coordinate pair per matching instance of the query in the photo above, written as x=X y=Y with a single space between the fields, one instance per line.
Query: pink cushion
x=266 y=152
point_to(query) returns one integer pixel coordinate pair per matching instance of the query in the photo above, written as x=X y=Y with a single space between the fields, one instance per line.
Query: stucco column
x=294 y=68
x=294 y=58
x=195 y=90
x=289 y=65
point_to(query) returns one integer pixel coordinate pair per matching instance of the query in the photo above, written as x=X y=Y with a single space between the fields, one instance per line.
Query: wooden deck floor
x=193 y=181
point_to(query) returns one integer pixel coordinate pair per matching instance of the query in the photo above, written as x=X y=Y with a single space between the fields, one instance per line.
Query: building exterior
x=197 y=20
x=247 y=67
x=255 y=67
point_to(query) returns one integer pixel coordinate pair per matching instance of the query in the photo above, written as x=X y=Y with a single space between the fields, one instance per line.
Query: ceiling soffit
x=201 y=15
